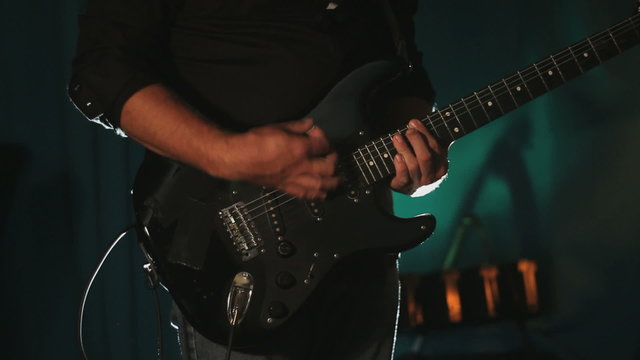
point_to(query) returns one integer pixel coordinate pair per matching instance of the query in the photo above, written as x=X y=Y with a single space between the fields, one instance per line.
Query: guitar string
x=520 y=78
x=564 y=57
x=548 y=65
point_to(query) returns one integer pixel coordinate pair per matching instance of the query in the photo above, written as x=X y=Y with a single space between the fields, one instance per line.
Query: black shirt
x=243 y=63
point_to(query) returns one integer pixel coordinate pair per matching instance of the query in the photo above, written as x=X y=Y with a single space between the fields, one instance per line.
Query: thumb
x=298 y=126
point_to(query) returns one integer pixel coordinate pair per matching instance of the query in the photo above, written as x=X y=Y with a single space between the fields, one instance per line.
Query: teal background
x=556 y=181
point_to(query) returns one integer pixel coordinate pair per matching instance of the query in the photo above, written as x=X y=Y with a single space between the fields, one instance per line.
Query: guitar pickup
x=274 y=215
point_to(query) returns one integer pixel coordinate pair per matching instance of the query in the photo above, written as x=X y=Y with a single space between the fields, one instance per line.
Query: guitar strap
x=398 y=37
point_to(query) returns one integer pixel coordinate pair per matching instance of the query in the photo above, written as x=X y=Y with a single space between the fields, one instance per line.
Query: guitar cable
x=152 y=282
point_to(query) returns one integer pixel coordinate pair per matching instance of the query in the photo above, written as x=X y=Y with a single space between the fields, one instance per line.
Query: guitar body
x=200 y=232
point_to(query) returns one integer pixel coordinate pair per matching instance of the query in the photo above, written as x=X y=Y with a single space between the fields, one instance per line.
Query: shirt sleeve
x=120 y=49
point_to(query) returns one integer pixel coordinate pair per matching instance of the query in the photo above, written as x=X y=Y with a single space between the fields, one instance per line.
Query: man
x=223 y=86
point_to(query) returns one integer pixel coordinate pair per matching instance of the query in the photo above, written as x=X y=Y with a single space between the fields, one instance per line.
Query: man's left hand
x=420 y=161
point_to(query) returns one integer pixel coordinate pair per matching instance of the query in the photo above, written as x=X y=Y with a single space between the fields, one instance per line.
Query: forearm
x=163 y=123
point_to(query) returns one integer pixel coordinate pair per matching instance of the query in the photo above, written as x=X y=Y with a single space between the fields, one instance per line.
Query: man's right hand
x=294 y=157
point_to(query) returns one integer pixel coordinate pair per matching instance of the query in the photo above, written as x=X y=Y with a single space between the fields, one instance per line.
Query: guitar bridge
x=241 y=229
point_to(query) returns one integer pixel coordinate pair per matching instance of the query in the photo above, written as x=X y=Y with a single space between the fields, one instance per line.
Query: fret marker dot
x=518 y=88
x=455 y=129
x=585 y=54
x=550 y=72
x=447 y=113
x=385 y=155
x=371 y=163
x=490 y=103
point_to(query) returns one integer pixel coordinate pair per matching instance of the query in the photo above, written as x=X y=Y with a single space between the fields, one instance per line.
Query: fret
x=371 y=162
x=479 y=111
x=473 y=124
x=550 y=74
x=535 y=85
x=365 y=163
x=535 y=66
x=458 y=131
x=605 y=46
x=517 y=91
x=433 y=129
x=523 y=84
x=558 y=68
x=445 y=120
x=381 y=157
x=489 y=105
x=614 y=41
x=362 y=172
x=595 y=51
x=389 y=153
x=498 y=102
x=627 y=37
x=585 y=58
x=515 y=102
x=575 y=58
x=568 y=66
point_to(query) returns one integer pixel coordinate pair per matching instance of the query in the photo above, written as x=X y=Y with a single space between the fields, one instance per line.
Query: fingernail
x=398 y=158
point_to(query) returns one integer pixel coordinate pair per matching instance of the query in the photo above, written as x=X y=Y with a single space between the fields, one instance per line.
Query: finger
x=401 y=180
x=310 y=187
x=424 y=157
x=317 y=166
x=408 y=156
x=297 y=127
x=325 y=165
x=318 y=142
x=431 y=140
x=295 y=189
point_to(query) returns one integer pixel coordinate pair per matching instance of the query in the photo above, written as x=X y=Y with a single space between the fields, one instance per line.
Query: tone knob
x=285 y=280
x=278 y=310
x=286 y=248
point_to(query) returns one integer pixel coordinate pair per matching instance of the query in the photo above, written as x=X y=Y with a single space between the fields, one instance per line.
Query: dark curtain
x=556 y=181
x=65 y=194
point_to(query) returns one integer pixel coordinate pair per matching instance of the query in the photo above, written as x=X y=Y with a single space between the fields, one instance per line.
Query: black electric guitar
x=237 y=253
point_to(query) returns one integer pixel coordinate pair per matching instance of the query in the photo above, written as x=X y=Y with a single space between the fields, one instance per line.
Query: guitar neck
x=374 y=161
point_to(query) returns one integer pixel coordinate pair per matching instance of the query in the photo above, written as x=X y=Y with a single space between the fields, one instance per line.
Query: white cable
x=85 y=294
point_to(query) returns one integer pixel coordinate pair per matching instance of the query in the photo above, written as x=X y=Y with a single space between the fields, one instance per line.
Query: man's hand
x=420 y=160
x=294 y=157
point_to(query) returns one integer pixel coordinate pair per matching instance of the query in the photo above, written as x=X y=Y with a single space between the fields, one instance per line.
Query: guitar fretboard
x=374 y=161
